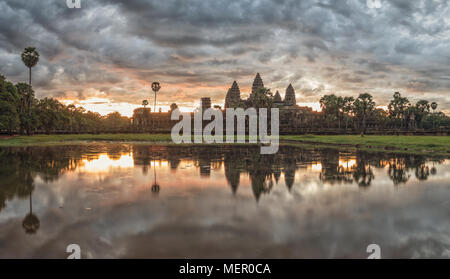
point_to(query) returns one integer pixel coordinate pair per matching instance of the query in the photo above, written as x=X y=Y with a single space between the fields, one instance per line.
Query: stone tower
x=233 y=96
x=289 y=98
x=277 y=98
x=257 y=84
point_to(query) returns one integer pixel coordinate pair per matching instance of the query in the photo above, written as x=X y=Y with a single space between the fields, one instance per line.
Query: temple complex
x=293 y=118
x=233 y=97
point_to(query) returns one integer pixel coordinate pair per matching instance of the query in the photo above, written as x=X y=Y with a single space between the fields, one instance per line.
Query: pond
x=143 y=201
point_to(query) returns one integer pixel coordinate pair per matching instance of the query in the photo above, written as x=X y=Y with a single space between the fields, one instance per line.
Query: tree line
x=362 y=112
x=21 y=112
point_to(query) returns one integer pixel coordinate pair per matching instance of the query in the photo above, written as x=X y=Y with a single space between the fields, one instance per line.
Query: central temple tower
x=233 y=97
x=289 y=98
x=257 y=84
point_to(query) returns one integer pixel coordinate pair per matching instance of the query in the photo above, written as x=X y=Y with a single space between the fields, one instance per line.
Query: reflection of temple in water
x=20 y=166
x=232 y=172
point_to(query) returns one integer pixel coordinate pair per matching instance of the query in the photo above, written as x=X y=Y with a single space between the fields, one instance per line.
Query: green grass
x=54 y=139
x=432 y=145
x=429 y=145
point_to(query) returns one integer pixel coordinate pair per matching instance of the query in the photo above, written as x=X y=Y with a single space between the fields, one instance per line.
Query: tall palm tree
x=155 y=87
x=434 y=106
x=30 y=57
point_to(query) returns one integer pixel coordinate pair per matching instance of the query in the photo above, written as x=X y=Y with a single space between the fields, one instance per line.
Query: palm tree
x=30 y=57
x=155 y=87
x=434 y=106
x=145 y=103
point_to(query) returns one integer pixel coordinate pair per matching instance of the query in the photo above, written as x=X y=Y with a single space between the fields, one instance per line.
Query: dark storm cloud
x=117 y=45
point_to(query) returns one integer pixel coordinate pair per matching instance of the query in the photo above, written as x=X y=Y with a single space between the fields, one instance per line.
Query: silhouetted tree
x=397 y=108
x=9 y=99
x=363 y=108
x=30 y=57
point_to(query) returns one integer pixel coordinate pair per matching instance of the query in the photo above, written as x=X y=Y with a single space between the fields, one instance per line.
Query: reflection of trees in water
x=155 y=186
x=20 y=166
x=422 y=172
x=363 y=174
x=329 y=160
x=400 y=167
x=31 y=222
x=146 y=155
x=16 y=177
x=332 y=171
x=336 y=166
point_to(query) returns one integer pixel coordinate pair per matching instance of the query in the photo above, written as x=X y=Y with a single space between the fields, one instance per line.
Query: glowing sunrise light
x=347 y=164
x=105 y=106
x=314 y=105
x=159 y=163
x=316 y=167
x=103 y=163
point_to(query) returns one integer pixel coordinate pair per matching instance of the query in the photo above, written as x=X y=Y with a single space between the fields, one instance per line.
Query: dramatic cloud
x=113 y=50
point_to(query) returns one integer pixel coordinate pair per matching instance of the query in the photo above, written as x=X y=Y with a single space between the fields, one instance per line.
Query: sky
x=105 y=55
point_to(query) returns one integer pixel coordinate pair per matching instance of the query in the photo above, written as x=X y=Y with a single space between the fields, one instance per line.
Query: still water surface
x=140 y=201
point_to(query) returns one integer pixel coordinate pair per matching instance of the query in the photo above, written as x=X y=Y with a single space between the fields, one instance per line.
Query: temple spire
x=289 y=98
x=277 y=97
x=257 y=84
x=233 y=97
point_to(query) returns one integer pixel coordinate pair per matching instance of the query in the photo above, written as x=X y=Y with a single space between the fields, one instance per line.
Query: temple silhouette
x=293 y=118
x=233 y=97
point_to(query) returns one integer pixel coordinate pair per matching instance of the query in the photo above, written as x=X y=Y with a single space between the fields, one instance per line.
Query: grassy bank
x=55 y=139
x=430 y=145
